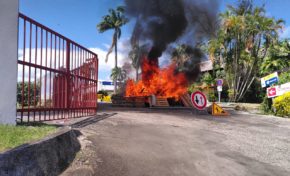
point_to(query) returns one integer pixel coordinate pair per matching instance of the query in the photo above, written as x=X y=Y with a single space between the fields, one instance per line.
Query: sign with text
x=107 y=83
x=271 y=92
x=269 y=79
x=278 y=90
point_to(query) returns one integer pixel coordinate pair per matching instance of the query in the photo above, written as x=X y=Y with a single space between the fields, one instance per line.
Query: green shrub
x=193 y=87
x=211 y=96
x=282 y=105
x=266 y=105
x=103 y=92
x=207 y=78
x=284 y=77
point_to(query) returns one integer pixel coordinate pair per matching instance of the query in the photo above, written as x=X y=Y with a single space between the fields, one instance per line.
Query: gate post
x=8 y=60
x=67 y=98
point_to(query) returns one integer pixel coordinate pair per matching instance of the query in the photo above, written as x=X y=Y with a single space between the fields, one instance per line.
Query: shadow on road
x=92 y=120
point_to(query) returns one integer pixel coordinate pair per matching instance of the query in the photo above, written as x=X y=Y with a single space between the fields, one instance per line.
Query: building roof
x=205 y=66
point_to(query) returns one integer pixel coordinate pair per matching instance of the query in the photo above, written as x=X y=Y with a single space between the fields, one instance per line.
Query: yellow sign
x=218 y=111
x=273 y=75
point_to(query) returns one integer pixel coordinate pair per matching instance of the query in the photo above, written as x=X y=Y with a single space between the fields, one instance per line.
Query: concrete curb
x=49 y=156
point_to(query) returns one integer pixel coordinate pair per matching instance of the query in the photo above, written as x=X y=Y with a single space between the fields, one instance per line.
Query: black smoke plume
x=163 y=22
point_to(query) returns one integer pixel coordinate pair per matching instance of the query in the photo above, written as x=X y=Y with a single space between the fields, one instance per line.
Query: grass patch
x=13 y=136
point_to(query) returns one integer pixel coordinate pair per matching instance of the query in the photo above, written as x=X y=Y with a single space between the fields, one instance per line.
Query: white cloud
x=105 y=68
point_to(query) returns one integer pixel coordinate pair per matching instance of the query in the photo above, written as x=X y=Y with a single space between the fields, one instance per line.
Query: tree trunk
x=116 y=62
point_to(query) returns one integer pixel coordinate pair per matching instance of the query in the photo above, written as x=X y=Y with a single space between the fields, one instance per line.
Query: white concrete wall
x=8 y=60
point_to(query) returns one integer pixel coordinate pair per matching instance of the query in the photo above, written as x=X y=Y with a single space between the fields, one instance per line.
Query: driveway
x=147 y=142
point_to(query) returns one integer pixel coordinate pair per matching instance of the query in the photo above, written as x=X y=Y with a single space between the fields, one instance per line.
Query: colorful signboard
x=278 y=90
x=271 y=92
x=269 y=80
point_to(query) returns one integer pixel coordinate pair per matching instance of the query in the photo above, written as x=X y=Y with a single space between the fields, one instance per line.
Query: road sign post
x=218 y=110
x=269 y=80
x=198 y=100
x=279 y=90
x=271 y=92
x=219 y=83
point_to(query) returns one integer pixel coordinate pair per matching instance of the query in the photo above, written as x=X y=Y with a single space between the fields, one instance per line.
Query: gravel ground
x=164 y=142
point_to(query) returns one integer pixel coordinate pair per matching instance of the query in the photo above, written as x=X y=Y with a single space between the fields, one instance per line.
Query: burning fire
x=160 y=82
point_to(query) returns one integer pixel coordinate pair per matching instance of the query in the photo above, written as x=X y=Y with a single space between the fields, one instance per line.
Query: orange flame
x=160 y=82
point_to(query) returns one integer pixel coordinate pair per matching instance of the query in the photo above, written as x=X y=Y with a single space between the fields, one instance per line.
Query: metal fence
x=57 y=78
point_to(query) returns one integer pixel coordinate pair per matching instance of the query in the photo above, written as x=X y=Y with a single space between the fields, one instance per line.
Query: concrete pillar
x=8 y=60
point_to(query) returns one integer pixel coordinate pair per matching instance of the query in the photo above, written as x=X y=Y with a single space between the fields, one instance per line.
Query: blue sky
x=77 y=20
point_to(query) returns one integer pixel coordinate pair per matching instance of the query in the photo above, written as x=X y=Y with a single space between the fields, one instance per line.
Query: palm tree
x=115 y=20
x=136 y=55
x=277 y=58
x=118 y=74
x=182 y=56
x=242 y=42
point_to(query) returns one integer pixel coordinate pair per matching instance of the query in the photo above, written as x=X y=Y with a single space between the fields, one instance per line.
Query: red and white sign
x=284 y=88
x=278 y=90
x=271 y=92
x=198 y=100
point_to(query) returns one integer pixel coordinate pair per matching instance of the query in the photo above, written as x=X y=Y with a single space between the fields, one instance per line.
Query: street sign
x=198 y=100
x=284 y=88
x=219 y=82
x=269 y=79
x=218 y=110
x=278 y=90
x=271 y=92
x=107 y=83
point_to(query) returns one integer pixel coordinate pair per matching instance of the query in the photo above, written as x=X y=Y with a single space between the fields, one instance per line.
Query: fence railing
x=57 y=78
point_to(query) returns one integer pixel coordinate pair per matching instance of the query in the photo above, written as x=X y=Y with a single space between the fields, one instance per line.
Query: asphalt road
x=144 y=142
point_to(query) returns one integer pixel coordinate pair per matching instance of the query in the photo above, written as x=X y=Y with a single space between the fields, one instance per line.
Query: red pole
x=23 y=69
x=50 y=63
x=67 y=76
x=29 y=72
x=45 y=75
x=40 y=86
x=36 y=29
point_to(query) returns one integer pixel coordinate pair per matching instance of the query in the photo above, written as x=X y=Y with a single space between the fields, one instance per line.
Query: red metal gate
x=57 y=78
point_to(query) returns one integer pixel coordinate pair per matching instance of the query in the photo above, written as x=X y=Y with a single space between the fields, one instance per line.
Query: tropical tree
x=184 y=56
x=136 y=55
x=242 y=42
x=284 y=77
x=31 y=92
x=277 y=58
x=118 y=74
x=114 y=21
